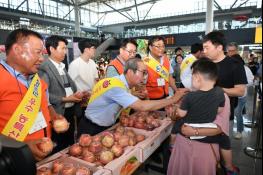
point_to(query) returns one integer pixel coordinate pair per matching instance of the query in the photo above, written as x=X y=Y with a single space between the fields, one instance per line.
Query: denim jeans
x=238 y=112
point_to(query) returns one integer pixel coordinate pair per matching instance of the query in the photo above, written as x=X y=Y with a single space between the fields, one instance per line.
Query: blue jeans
x=238 y=112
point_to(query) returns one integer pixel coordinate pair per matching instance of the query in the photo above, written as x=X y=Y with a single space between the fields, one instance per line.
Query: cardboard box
x=99 y=170
x=126 y=164
x=115 y=166
x=148 y=146
x=58 y=155
x=78 y=163
x=165 y=129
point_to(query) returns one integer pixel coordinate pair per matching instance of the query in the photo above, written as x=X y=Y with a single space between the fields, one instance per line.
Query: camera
x=15 y=158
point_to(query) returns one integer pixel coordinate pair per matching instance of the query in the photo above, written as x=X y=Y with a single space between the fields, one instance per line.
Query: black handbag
x=220 y=170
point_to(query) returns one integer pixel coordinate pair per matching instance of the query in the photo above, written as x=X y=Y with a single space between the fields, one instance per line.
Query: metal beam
x=77 y=18
x=36 y=18
x=27 y=6
x=42 y=11
x=20 y=4
x=121 y=9
x=85 y=8
x=118 y=11
x=218 y=6
x=43 y=8
x=70 y=2
x=148 y=11
x=100 y=19
x=243 y=3
x=130 y=16
x=233 y=4
x=209 y=17
x=103 y=20
x=137 y=10
x=68 y=13
x=66 y=2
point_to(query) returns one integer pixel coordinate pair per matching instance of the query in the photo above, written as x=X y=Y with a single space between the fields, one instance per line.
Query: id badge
x=69 y=91
x=160 y=82
x=39 y=124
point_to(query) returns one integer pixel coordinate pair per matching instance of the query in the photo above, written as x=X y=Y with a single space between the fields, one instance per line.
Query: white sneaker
x=238 y=135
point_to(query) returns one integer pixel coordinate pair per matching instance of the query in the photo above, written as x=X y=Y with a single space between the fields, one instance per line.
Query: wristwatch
x=196 y=132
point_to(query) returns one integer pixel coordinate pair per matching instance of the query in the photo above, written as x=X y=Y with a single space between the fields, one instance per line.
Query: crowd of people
x=209 y=88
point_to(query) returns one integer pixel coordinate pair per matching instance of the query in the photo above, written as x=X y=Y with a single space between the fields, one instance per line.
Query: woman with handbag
x=195 y=158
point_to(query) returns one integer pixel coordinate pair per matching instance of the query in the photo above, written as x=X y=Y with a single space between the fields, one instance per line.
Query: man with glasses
x=128 y=50
x=160 y=78
x=111 y=95
x=159 y=69
x=232 y=52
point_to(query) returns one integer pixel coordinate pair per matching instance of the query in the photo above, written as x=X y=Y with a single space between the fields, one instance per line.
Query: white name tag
x=160 y=82
x=39 y=124
x=68 y=93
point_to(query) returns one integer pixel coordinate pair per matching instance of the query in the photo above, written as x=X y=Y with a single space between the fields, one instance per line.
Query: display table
x=131 y=159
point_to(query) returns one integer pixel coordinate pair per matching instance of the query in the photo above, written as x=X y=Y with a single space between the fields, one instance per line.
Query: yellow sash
x=186 y=63
x=26 y=113
x=103 y=86
x=157 y=67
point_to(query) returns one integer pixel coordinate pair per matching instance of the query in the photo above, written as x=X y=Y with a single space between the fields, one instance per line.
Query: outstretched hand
x=179 y=94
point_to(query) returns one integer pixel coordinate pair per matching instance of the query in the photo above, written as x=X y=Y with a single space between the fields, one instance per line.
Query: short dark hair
x=207 y=68
x=177 y=49
x=132 y=64
x=19 y=35
x=217 y=38
x=178 y=56
x=153 y=40
x=233 y=44
x=196 y=48
x=85 y=43
x=53 y=41
x=125 y=42
x=138 y=56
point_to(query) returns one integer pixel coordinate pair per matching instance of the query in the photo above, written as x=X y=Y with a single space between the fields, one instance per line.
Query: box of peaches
x=109 y=151
x=65 y=165
x=112 y=149
x=155 y=121
x=148 y=121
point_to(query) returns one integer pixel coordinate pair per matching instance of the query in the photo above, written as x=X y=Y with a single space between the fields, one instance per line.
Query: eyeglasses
x=131 y=52
x=144 y=72
x=159 y=47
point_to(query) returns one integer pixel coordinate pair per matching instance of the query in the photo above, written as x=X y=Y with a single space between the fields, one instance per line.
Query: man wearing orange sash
x=159 y=69
x=128 y=50
x=111 y=95
x=24 y=107
x=160 y=78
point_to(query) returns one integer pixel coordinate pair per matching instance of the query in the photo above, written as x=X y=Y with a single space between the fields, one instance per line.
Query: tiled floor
x=247 y=165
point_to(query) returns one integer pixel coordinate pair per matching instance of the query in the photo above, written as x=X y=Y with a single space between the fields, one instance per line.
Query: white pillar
x=77 y=18
x=209 y=16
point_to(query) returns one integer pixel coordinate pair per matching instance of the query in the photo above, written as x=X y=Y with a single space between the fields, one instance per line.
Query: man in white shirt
x=186 y=72
x=232 y=51
x=83 y=70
